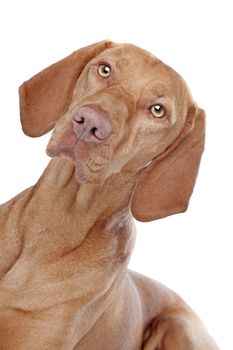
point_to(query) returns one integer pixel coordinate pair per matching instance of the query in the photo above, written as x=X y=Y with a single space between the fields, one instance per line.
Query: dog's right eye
x=158 y=111
x=104 y=70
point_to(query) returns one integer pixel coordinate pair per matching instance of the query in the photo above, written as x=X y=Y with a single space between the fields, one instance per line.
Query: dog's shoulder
x=154 y=295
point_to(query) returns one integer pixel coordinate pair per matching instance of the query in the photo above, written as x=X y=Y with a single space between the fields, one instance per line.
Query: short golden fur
x=66 y=242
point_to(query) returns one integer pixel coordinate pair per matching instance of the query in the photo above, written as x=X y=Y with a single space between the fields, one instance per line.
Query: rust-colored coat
x=66 y=242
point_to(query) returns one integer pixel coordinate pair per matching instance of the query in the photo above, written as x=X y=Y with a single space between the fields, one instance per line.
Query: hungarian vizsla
x=127 y=142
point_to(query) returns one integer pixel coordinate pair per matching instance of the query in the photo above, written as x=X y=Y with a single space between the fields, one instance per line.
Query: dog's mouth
x=90 y=158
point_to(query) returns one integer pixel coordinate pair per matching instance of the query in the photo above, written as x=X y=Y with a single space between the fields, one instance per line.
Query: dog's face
x=125 y=110
x=116 y=107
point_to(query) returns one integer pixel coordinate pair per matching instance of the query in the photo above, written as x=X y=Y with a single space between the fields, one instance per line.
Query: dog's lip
x=82 y=148
x=72 y=150
x=61 y=144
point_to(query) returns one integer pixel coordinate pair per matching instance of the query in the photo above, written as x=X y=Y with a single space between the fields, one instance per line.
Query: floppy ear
x=46 y=97
x=165 y=186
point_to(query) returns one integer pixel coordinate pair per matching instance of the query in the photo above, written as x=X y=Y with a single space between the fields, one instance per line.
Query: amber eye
x=104 y=70
x=158 y=111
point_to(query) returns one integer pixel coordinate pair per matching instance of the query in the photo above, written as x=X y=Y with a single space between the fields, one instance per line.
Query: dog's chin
x=79 y=157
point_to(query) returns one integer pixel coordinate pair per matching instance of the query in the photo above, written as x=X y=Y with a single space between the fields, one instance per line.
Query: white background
x=192 y=252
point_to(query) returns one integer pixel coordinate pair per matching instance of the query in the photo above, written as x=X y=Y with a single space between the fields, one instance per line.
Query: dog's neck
x=65 y=226
x=85 y=204
x=71 y=246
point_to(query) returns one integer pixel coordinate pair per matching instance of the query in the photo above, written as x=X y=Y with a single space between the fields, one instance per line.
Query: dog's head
x=115 y=107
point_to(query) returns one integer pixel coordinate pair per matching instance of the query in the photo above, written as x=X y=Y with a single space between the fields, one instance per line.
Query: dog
x=127 y=142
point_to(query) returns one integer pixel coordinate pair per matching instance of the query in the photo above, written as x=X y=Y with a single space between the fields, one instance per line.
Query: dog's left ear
x=46 y=97
x=165 y=186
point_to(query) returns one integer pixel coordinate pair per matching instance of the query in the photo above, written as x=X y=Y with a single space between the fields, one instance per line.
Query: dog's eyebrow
x=158 y=90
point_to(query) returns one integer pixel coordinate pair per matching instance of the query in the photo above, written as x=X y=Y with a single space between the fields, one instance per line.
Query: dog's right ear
x=46 y=96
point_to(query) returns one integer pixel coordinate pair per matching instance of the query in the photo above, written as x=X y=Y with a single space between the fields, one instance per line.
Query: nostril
x=91 y=124
x=93 y=131
x=79 y=119
x=97 y=133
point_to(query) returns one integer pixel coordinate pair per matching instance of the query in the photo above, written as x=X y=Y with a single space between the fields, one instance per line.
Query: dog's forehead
x=128 y=54
x=135 y=62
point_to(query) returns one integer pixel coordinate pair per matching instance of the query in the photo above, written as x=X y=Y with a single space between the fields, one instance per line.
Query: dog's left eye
x=104 y=70
x=158 y=111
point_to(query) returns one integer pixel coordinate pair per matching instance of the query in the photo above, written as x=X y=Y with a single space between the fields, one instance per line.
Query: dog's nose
x=91 y=124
